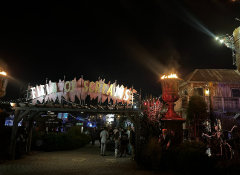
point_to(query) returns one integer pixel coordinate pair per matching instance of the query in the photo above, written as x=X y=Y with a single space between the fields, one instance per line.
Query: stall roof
x=215 y=75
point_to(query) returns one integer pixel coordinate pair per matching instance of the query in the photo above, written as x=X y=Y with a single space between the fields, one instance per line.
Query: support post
x=23 y=115
x=13 y=137
x=239 y=103
x=32 y=115
x=211 y=105
x=30 y=128
x=3 y=116
x=137 y=135
x=223 y=103
x=140 y=100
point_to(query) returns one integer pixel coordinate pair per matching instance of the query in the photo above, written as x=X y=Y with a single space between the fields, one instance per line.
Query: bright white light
x=33 y=92
x=216 y=38
x=127 y=93
x=135 y=106
x=221 y=40
x=3 y=73
x=207 y=92
x=119 y=91
x=109 y=117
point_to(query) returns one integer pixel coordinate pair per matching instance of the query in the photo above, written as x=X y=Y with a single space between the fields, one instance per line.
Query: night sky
x=131 y=42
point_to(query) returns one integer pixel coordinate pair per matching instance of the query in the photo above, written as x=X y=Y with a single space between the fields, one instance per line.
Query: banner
x=81 y=89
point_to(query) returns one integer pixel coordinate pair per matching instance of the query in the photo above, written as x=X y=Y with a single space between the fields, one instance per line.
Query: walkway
x=83 y=161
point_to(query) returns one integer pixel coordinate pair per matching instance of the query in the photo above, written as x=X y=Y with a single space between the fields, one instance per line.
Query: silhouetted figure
x=174 y=139
x=164 y=139
x=93 y=136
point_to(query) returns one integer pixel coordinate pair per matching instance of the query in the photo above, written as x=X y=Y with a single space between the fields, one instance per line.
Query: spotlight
x=216 y=38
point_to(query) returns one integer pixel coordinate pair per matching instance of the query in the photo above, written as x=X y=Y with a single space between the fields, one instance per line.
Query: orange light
x=169 y=76
x=3 y=73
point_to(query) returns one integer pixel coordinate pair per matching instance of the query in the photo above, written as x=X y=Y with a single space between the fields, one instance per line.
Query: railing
x=219 y=103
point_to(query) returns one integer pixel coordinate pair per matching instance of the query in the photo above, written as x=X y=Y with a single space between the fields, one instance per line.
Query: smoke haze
x=163 y=61
x=3 y=65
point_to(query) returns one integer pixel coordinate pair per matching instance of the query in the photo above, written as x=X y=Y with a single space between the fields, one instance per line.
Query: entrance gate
x=30 y=114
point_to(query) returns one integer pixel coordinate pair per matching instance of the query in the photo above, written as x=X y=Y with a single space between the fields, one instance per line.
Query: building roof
x=215 y=75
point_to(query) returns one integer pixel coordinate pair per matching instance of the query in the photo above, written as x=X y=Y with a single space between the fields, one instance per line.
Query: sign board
x=59 y=116
x=81 y=89
x=79 y=123
x=65 y=116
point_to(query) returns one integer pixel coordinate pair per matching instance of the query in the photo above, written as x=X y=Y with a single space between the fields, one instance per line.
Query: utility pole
x=132 y=96
x=211 y=105
x=140 y=102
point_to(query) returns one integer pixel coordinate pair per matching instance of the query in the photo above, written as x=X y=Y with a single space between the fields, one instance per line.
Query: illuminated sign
x=110 y=117
x=59 y=116
x=65 y=116
x=81 y=89
x=79 y=123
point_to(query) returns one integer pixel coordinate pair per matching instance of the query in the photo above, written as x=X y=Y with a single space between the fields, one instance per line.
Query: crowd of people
x=124 y=140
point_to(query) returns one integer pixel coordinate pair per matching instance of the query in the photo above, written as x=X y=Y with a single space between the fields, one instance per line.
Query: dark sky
x=131 y=42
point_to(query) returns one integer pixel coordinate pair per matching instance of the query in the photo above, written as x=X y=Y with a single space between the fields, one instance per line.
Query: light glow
x=207 y=92
x=169 y=76
x=216 y=38
x=221 y=40
x=3 y=73
x=119 y=92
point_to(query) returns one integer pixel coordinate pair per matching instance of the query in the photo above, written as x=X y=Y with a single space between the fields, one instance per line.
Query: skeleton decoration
x=219 y=135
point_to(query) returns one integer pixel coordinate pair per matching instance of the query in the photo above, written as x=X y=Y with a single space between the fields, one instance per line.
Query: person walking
x=93 y=136
x=104 y=137
x=132 y=142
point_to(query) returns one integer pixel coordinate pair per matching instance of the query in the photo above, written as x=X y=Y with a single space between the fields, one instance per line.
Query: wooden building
x=226 y=90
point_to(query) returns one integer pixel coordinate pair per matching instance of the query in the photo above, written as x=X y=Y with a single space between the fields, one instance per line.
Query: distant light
x=221 y=40
x=216 y=38
x=81 y=112
x=207 y=91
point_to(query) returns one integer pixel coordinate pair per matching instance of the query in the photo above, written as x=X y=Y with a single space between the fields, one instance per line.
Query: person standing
x=164 y=139
x=18 y=148
x=110 y=133
x=99 y=133
x=116 y=139
x=115 y=130
x=93 y=136
x=104 y=137
x=124 y=142
x=128 y=145
x=119 y=143
x=132 y=142
x=174 y=139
